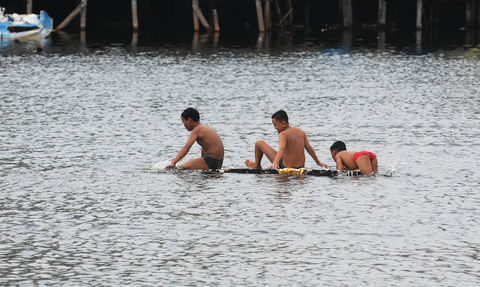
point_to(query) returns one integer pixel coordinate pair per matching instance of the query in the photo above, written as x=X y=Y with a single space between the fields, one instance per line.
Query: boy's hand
x=323 y=165
x=275 y=166
x=171 y=165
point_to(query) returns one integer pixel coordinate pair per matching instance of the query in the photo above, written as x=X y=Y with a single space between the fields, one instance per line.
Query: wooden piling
x=470 y=14
x=284 y=18
x=381 y=39
x=216 y=26
x=478 y=18
x=29 y=6
x=290 y=7
x=347 y=14
x=134 y=15
x=83 y=17
x=306 y=16
x=279 y=11
x=261 y=25
x=199 y=14
x=72 y=15
x=382 y=13
x=196 y=23
x=431 y=13
x=267 y=18
x=419 y=14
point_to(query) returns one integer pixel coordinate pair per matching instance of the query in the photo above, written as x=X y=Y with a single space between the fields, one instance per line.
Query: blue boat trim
x=42 y=29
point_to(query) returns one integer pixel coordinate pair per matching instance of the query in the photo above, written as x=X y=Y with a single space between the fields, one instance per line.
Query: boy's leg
x=196 y=163
x=261 y=148
x=375 y=166
x=364 y=164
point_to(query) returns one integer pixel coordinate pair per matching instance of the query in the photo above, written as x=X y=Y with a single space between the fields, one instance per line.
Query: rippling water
x=81 y=125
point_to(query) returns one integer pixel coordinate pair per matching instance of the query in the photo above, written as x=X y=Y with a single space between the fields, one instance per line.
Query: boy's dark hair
x=338 y=146
x=192 y=114
x=280 y=116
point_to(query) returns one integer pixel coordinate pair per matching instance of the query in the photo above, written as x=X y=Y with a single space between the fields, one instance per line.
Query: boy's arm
x=282 y=143
x=311 y=152
x=338 y=160
x=185 y=149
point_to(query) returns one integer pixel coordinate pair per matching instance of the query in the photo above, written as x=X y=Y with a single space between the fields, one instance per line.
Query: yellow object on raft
x=289 y=170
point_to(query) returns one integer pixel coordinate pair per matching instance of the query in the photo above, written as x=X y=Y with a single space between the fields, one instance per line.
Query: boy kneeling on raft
x=363 y=160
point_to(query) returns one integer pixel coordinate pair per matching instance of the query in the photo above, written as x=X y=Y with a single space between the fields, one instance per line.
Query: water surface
x=83 y=122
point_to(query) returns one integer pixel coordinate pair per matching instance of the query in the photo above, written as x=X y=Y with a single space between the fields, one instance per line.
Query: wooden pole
x=284 y=18
x=196 y=23
x=419 y=14
x=290 y=6
x=470 y=14
x=268 y=20
x=29 y=6
x=72 y=15
x=382 y=13
x=134 y=15
x=347 y=38
x=199 y=14
x=307 y=17
x=261 y=25
x=478 y=16
x=215 y=21
x=419 y=41
x=381 y=39
x=83 y=17
x=431 y=13
x=279 y=11
x=347 y=14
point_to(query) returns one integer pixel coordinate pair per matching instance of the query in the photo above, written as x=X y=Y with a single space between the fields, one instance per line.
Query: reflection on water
x=82 y=122
x=422 y=41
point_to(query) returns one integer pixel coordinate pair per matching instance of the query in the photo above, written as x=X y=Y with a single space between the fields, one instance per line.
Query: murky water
x=82 y=123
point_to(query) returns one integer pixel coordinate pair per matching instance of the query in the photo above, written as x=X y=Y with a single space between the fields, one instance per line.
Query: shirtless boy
x=206 y=137
x=291 y=142
x=363 y=160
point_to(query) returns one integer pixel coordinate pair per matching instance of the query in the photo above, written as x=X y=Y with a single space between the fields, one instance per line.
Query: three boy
x=291 y=144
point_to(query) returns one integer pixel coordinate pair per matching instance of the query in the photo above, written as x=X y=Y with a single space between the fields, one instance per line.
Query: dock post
x=80 y=8
x=382 y=13
x=306 y=17
x=471 y=11
x=419 y=41
x=196 y=23
x=478 y=16
x=419 y=14
x=216 y=26
x=83 y=16
x=279 y=11
x=290 y=8
x=198 y=12
x=268 y=19
x=261 y=26
x=29 y=6
x=347 y=14
x=134 y=15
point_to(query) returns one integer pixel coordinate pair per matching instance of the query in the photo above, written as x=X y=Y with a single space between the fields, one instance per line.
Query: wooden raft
x=291 y=171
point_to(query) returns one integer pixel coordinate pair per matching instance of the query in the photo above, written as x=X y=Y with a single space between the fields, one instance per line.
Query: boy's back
x=291 y=144
x=294 y=154
x=346 y=158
